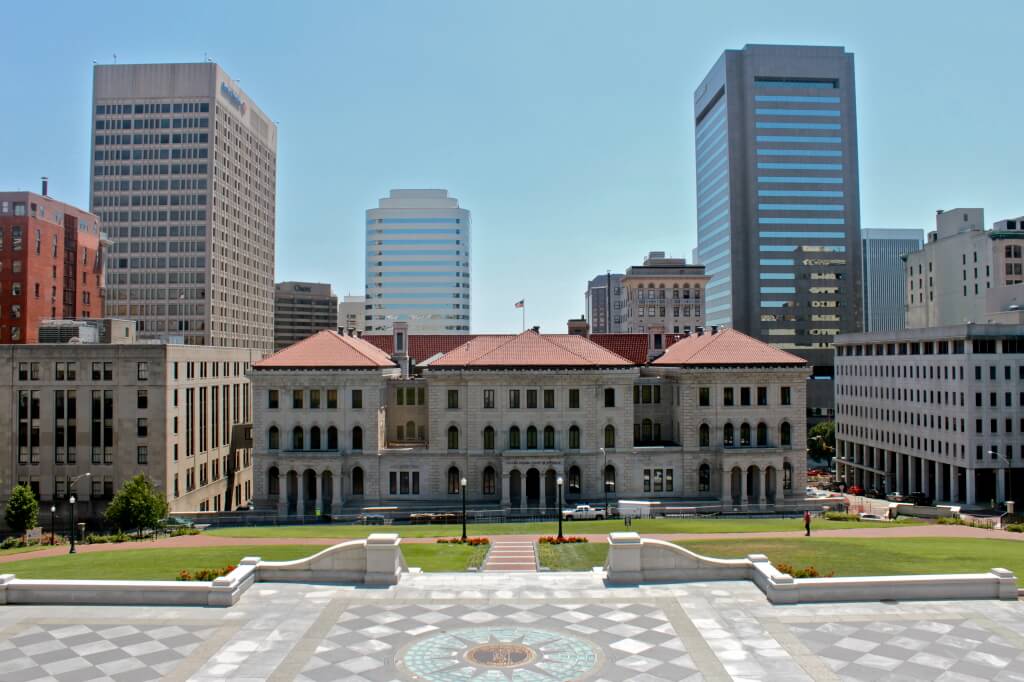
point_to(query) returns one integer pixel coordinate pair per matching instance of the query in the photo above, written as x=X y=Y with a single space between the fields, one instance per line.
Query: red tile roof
x=530 y=349
x=328 y=349
x=421 y=346
x=727 y=347
x=633 y=347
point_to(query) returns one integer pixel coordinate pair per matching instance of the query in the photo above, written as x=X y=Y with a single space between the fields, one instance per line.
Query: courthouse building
x=342 y=422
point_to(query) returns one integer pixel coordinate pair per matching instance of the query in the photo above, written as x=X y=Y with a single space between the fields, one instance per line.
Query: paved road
x=203 y=540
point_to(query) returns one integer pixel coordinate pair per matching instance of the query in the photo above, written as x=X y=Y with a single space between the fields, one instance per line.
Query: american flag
x=521 y=303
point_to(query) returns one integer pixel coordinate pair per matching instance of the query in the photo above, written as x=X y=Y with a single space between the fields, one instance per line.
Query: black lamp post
x=463 y=484
x=71 y=499
x=53 y=525
x=559 y=482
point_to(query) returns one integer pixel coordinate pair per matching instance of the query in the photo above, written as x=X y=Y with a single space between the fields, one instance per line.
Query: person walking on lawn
x=807 y=523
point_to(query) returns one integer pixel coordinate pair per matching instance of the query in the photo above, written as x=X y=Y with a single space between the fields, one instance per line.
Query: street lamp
x=559 y=482
x=53 y=525
x=1009 y=481
x=463 y=484
x=71 y=499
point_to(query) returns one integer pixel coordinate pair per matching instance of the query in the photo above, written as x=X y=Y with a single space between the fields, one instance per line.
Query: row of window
x=68 y=371
x=729 y=398
x=318 y=399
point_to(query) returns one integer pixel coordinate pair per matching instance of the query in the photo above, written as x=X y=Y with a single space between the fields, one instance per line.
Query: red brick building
x=51 y=264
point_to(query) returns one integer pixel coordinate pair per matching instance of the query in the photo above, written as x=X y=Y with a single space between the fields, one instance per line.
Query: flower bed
x=553 y=540
x=469 y=541
x=205 y=574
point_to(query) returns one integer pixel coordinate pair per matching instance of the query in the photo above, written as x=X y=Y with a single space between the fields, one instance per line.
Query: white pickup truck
x=582 y=512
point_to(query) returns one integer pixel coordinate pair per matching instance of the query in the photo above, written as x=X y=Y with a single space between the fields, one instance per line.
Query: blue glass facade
x=713 y=223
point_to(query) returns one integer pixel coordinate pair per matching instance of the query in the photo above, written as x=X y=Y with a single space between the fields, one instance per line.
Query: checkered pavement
x=913 y=650
x=78 y=652
x=637 y=640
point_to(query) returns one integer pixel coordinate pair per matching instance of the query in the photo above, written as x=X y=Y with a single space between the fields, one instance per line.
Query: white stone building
x=341 y=424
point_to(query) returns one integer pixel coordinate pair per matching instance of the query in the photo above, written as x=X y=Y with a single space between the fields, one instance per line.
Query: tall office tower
x=352 y=314
x=605 y=302
x=302 y=309
x=51 y=264
x=884 y=278
x=183 y=179
x=778 y=204
x=417 y=263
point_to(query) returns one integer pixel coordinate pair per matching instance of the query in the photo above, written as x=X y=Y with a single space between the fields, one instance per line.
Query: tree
x=821 y=440
x=138 y=504
x=22 y=510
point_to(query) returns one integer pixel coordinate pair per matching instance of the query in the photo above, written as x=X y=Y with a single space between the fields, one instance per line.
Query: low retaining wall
x=377 y=560
x=632 y=559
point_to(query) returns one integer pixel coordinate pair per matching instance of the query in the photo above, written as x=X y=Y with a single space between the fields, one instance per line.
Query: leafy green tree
x=138 y=504
x=821 y=440
x=22 y=510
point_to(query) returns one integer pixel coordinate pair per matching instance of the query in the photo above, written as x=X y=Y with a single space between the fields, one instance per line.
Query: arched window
x=609 y=479
x=489 y=480
x=762 y=434
x=273 y=481
x=297 y=440
x=357 y=480
x=705 y=436
x=704 y=478
x=696 y=291
x=314 y=438
x=273 y=438
x=531 y=438
x=785 y=434
x=646 y=431
x=549 y=438
x=574 y=480
x=332 y=438
x=787 y=476
x=513 y=438
x=744 y=435
x=357 y=438
x=453 y=438
x=686 y=291
x=609 y=436
x=488 y=438
x=574 y=437
x=728 y=435
x=453 y=481
x=410 y=430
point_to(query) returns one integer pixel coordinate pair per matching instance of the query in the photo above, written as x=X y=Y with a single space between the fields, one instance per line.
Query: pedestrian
x=807 y=523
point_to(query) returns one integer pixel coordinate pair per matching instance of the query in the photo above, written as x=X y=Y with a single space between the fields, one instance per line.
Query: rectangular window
x=574 y=398
x=141 y=399
x=357 y=399
x=645 y=394
x=762 y=395
x=647 y=480
x=272 y=399
x=489 y=398
x=142 y=427
x=609 y=397
x=314 y=399
x=410 y=395
x=659 y=481
x=142 y=371
x=668 y=480
x=297 y=400
x=142 y=454
x=531 y=398
x=704 y=396
x=785 y=396
x=332 y=399
x=513 y=398
x=453 y=400
x=727 y=397
x=745 y=396
x=549 y=398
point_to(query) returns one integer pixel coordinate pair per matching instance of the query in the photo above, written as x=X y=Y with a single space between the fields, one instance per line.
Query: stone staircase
x=511 y=555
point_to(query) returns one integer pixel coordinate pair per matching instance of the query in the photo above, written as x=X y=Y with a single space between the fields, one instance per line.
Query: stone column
x=899 y=472
x=763 y=499
x=336 y=488
x=743 y=486
x=522 y=492
x=282 y=494
x=319 y=497
x=506 y=499
x=954 y=484
x=939 y=482
x=543 y=503
x=727 y=488
x=300 y=489
x=969 y=480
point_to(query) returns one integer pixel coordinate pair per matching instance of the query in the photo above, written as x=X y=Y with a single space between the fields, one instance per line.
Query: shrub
x=568 y=539
x=950 y=521
x=204 y=574
x=12 y=542
x=1016 y=528
x=805 y=572
x=469 y=541
x=178 y=532
x=841 y=516
x=22 y=511
x=96 y=539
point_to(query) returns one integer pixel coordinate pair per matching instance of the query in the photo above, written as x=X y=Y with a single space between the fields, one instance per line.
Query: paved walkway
x=511 y=554
x=204 y=540
x=515 y=626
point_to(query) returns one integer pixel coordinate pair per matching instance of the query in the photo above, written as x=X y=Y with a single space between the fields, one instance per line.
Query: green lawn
x=442 y=557
x=575 y=556
x=645 y=526
x=22 y=550
x=844 y=556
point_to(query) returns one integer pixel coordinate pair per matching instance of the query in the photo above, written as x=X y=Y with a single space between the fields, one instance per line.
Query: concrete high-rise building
x=417 y=263
x=778 y=204
x=183 y=180
x=965 y=273
x=884 y=278
x=352 y=314
x=605 y=302
x=664 y=296
x=302 y=309
x=51 y=264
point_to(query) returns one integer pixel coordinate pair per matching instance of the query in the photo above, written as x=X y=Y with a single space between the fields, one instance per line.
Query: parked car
x=916 y=498
x=874 y=493
x=855 y=490
x=581 y=512
x=867 y=516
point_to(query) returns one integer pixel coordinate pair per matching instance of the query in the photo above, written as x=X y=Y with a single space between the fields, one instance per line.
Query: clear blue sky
x=565 y=127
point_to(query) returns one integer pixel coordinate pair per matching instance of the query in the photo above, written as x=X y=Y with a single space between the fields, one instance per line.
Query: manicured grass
x=574 y=556
x=645 y=526
x=22 y=550
x=443 y=557
x=147 y=564
x=844 y=556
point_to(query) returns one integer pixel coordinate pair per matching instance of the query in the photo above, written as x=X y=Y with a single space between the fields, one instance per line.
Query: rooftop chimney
x=46 y=186
x=714 y=329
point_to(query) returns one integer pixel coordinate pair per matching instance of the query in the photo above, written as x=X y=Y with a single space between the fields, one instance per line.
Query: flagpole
x=524 y=314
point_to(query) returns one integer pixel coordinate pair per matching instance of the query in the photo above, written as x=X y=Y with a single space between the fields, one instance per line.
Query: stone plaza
x=515 y=627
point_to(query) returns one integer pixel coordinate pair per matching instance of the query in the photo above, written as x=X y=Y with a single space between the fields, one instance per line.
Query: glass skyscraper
x=778 y=204
x=417 y=263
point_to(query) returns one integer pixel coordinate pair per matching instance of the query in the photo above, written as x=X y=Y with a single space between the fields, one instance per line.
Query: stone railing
x=633 y=560
x=376 y=560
